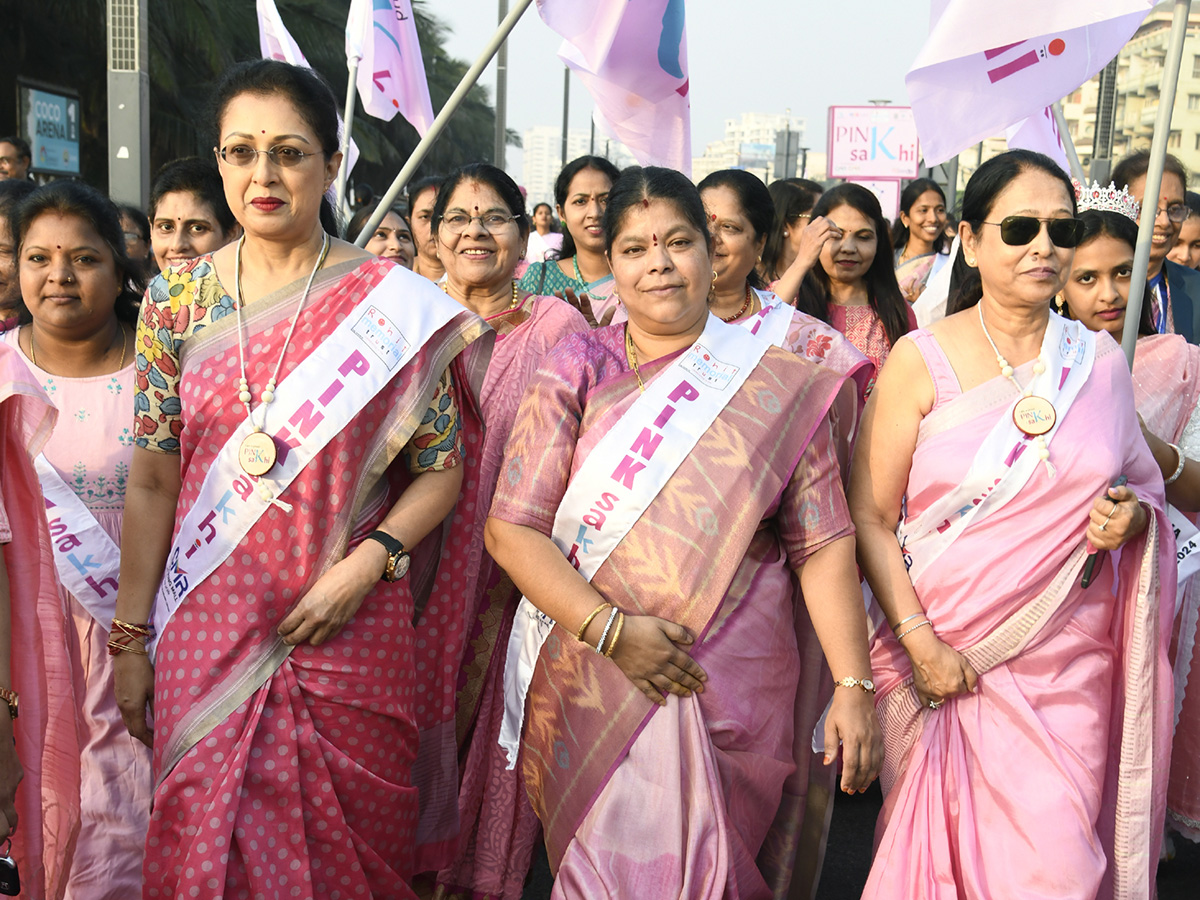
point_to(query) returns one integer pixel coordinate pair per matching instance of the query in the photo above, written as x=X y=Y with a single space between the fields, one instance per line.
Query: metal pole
x=435 y=130
x=952 y=180
x=1158 y=156
x=348 y=123
x=592 y=142
x=1064 y=135
x=501 y=95
x=566 y=109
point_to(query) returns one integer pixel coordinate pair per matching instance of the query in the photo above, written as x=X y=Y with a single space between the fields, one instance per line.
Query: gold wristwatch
x=398 y=559
x=865 y=683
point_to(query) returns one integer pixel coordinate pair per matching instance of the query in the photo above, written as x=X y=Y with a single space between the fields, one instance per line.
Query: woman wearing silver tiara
x=1166 y=380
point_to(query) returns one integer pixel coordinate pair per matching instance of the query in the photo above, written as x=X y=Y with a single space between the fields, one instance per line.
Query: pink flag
x=989 y=64
x=632 y=58
x=1040 y=133
x=391 y=74
x=276 y=42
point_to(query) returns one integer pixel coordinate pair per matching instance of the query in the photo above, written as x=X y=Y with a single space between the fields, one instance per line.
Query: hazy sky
x=743 y=56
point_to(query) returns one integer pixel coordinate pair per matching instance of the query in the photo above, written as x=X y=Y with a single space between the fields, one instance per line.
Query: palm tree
x=191 y=43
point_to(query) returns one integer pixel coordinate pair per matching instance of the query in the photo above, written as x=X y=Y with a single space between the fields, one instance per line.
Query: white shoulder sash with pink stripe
x=623 y=475
x=316 y=401
x=87 y=559
x=1007 y=457
x=772 y=322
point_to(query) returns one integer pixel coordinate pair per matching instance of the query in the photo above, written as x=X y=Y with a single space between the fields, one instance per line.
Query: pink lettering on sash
x=355 y=363
x=626 y=470
x=646 y=443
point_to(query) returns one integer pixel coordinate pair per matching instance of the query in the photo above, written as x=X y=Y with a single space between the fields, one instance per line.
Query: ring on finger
x=936 y=704
x=1104 y=526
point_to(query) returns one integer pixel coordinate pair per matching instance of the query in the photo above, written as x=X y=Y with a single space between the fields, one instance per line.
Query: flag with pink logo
x=276 y=42
x=1040 y=133
x=391 y=73
x=988 y=64
x=632 y=58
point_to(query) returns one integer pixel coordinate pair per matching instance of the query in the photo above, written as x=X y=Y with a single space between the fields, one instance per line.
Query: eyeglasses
x=1017 y=231
x=242 y=155
x=1176 y=212
x=457 y=223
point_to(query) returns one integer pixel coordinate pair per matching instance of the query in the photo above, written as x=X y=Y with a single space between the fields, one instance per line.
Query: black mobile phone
x=1089 y=567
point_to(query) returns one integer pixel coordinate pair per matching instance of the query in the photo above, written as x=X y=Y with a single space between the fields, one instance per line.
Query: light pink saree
x=1166 y=383
x=1049 y=780
x=47 y=742
x=642 y=801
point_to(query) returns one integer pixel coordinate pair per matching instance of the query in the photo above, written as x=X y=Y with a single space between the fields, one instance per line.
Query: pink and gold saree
x=47 y=742
x=287 y=771
x=1049 y=780
x=637 y=800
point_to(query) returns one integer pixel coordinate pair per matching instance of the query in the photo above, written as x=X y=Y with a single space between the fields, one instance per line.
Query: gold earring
x=714 y=281
x=971 y=262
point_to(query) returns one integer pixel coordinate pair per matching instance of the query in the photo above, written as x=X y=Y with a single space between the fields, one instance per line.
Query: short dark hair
x=74 y=198
x=421 y=185
x=562 y=187
x=793 y=198
x=883 y=292
x=198 y=177
x=1136 y=165
x=137 y=217
x=497 y=179
x=363 y=216
x=908 y=198
x=1192 y=199
x=307 y=91
x=755 y=201
x=636 y=184
x=22 y=145
x=988 y=182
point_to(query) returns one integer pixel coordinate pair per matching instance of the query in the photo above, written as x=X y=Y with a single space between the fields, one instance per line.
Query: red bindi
x=714 y=218
x=654 y=237
x=264 y=131
x=645 y=203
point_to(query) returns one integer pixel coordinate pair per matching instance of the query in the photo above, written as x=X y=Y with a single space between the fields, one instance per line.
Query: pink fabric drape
x=1049 y=780
x=1166 y=383
x=302 y=788
x=641 y=801
x=47 y=742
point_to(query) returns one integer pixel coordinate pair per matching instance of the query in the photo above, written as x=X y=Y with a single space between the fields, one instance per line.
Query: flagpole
x=1158 y=156
x=348 y=119
x=1064 y=134
x=422 y=149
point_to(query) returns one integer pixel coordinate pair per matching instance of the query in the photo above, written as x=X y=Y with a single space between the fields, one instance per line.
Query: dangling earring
x=1060 y=305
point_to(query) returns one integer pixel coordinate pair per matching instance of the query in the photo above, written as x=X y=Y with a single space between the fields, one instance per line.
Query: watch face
x=868 y=684
x=397 y=566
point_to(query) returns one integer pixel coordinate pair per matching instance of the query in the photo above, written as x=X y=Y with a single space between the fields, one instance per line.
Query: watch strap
x=390 y=544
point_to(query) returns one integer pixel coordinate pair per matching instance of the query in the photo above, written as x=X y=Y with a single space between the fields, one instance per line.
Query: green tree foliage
x=192 y=42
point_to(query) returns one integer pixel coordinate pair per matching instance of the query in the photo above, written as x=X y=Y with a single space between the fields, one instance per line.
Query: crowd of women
x=333 y=572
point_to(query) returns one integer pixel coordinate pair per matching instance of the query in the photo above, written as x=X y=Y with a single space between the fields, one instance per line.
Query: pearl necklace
x=1033 y=415
x=257 y=453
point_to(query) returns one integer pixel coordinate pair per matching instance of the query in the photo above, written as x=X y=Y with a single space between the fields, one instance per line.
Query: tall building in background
x=750 y=144
x=542 y=157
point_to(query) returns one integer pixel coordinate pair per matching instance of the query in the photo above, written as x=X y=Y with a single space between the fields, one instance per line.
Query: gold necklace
x=631 y=356
x=120 y=332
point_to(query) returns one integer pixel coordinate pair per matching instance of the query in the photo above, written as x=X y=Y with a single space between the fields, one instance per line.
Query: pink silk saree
x=1166 y=384
x=287 y=773
x=481 y=837
x=637 y=800
x=47 y=742
x=1049 y=780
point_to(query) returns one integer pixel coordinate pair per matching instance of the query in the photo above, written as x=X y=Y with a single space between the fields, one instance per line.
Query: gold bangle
x=131 y=629
x=616 y=634
x=588 y=621
x=115 y=646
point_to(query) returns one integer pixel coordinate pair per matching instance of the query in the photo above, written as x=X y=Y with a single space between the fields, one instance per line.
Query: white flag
x=1040 y=133
x=391 y=73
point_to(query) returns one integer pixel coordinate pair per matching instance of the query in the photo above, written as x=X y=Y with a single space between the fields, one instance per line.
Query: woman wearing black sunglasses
x=1018 y=705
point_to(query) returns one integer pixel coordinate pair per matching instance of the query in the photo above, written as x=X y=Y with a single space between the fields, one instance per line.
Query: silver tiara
x=1106 y=199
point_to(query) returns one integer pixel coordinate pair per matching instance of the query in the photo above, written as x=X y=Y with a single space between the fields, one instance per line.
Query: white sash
x=621 y=477
x=312 y=405
x=87 y=559
x=772 y=322
x=1007 y=458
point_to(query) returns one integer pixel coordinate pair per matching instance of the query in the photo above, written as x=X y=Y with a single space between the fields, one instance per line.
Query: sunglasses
x=1017 y=231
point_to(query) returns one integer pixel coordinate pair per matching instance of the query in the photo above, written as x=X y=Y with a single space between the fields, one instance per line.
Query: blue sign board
x=51 y=125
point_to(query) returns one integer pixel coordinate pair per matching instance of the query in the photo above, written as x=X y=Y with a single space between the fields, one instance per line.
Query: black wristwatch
x=398 y=558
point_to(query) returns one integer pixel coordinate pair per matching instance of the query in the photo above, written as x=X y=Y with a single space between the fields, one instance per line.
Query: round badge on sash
x=1034 y=415
x=257 y=453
